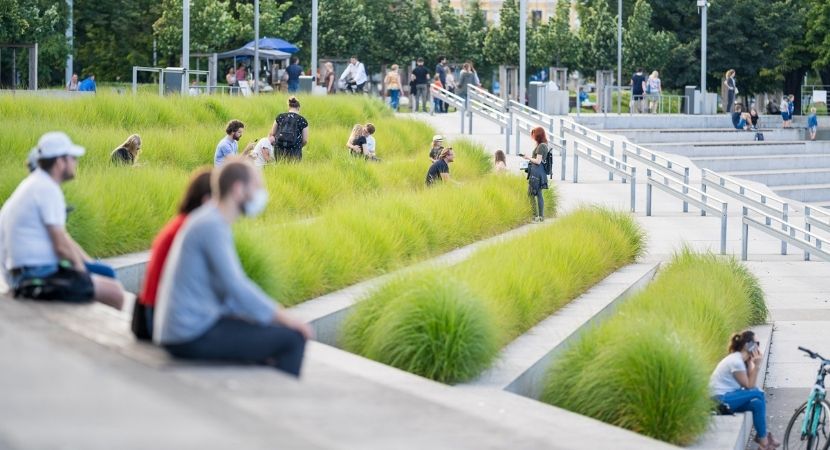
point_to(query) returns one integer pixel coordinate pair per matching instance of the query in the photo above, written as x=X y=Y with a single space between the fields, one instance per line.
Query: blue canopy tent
x=278 y=44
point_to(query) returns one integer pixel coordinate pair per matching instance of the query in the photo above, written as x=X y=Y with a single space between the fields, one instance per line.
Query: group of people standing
x=442 y=78
x=288 y=136
x=645 y=92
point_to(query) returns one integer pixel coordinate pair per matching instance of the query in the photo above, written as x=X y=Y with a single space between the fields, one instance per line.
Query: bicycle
x=812 y=431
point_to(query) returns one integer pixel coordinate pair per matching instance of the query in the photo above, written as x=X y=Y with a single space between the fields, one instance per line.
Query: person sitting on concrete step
x=207 y=308
x=197 y=194
x=734 y=384
x=38 y=257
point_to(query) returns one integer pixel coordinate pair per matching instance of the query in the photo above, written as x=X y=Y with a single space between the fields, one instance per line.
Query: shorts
x=54 y=284
x=786 y=116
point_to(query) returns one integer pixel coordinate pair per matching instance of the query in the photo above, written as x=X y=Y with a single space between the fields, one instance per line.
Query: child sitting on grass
x=370 y=142
x=357 y=140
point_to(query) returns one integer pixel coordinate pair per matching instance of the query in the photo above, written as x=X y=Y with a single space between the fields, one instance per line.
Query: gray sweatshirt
x=203 y=281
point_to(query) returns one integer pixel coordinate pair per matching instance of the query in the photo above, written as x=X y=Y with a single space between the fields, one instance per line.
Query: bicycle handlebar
x=812 y=354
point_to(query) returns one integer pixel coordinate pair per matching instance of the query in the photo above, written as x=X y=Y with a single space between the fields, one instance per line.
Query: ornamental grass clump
x=647 y=368
x=448 y=324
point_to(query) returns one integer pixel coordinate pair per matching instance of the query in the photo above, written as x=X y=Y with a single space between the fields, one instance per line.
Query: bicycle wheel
x=794 y=440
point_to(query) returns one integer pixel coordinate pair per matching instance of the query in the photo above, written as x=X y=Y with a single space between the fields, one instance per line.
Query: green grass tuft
x=647 y=368
x=414 y=323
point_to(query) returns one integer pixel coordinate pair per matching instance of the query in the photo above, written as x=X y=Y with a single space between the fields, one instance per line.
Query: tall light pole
x=703 y=6
x=69 y=40
x=256 y=46
x=314 y=11
x=522 y=49
x=619 y=54
x=186 y=34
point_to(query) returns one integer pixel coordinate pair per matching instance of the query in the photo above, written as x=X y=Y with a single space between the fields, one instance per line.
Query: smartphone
x=522 y=155
x=751 y=347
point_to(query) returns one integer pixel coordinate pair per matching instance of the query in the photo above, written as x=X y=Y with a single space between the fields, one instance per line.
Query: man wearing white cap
x=437 y=145
x=38 y=258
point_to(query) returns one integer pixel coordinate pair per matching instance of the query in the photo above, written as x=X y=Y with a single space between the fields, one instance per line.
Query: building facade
x=537 y=10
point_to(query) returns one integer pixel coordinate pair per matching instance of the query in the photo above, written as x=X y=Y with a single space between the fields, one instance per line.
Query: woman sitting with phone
x=734 y=381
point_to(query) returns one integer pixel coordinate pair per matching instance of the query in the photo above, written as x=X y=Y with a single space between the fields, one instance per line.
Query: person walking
x=38 y=258
x=537 y=179
x=328 y=79
x=289 y=134
x=294 y=70
x=654 y=88
x=354 y=76
x=207 y=308
x=441 y=73
x=393 y=87
x=731 y=88
x=241 y=73
x=229 y=145
x=638 y=87
x=421 y=85
x=465 y=79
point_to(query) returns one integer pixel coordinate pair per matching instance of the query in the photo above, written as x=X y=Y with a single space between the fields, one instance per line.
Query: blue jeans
x=749 y=400
x=96 y=267
x=394 y=98
x=293 y=86
x=436 y=105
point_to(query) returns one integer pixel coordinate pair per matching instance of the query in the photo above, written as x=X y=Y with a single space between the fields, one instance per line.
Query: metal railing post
x=686 y=188
x=648 y=197
x=517 y=133
x=463 y=112
x=135 y=79
x=611 y=174
x=785 y=218
x=633 y=189
x=723 y=229
x=564 y=150
x=703 y=197
x=576 y=162
x=809 y=228
x=470 y=109
x=507 y=130
x=744 y=238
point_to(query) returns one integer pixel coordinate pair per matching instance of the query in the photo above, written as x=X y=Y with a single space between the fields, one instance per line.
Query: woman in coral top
x=198 y=192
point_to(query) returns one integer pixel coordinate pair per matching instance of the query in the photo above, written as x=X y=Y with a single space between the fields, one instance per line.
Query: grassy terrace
x=449 y=323
x=647 y=368
x=331 y=221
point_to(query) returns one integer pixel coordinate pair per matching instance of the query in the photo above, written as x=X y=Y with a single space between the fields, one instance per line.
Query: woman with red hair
x=537 y=179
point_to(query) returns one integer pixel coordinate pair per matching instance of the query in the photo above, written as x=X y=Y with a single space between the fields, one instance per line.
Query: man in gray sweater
x=207 y=307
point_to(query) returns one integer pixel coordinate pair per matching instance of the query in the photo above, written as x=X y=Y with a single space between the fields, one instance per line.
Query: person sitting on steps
x=734 y=383
x=38 y=257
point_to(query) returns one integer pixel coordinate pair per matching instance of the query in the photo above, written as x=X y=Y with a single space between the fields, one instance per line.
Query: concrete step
x=781 y=177
x=666 y=121
x=646 y=137
x=763 y=162
x=805 y=192
x=718 y=149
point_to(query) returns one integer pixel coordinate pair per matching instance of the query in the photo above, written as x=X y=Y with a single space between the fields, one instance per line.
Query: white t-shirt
x=723 y=378
x=37 y=202
x=256 y=153
x=370 y=145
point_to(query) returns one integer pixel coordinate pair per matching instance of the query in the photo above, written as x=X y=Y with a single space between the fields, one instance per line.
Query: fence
x=814 y=95
x=810 y=243
x=605 y=161
x=660 y=164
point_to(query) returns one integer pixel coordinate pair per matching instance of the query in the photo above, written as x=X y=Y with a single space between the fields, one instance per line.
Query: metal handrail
x=658 y=163
x=810 y=243
x=486 y=96
x=740 y=192
x=450 y=98
x=683 y=193
x=528 y=125
x=811 y=219
x=608 y=162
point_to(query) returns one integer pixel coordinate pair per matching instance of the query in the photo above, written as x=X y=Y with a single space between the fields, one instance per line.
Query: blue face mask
x=256 y=204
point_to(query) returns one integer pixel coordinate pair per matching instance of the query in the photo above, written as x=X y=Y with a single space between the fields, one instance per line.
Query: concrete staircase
x=708 y=135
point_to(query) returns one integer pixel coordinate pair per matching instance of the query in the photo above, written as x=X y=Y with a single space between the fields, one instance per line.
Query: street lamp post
x=619 y=55
x=703 y=6
x=69 y=40
x=522 y=49
x=186 y=34
x=314 y=10
x=256 y=46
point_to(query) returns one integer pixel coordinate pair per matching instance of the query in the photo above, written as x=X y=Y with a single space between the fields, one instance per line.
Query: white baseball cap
x=438 y=137
x=55 y=144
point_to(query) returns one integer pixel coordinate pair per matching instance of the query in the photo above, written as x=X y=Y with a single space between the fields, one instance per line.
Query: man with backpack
x=290 y=132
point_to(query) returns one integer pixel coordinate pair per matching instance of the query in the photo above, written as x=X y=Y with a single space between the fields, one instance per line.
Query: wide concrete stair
x=671 y=121
x=645 y=136
x=797 y=170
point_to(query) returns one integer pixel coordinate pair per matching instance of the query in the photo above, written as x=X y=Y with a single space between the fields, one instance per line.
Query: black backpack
x=548 y=164
x=288 y=131
x=759 y=136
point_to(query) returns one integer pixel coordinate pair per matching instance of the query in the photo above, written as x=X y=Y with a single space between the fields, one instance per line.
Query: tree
x=345 y=28
x=554 y=43
x=597 y=40
x=817 y=36
x=477 y=29
x=112 y=36
x=642 y=45
x=404 y=30
x=501 y=46
x=30 y=21
x=274 y=21
x=454 y=42
x=211 y=27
